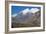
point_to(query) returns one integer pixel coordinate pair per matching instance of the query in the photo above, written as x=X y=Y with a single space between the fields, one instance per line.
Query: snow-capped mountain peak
x=34 y=10
x=25 y=11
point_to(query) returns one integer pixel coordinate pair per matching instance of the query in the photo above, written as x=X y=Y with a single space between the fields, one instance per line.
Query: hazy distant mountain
x=28 y=17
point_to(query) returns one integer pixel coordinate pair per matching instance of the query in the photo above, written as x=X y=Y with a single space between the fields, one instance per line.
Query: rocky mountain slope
x=28 y=20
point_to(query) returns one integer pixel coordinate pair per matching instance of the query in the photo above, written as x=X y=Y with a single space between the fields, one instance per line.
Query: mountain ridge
x=28 y=20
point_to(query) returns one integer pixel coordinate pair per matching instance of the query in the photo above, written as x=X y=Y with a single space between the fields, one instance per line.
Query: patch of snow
x=25 y=11
x=34 y=10
x=14 y=15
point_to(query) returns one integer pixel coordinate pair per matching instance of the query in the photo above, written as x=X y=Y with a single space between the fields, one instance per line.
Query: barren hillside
x=28 y=20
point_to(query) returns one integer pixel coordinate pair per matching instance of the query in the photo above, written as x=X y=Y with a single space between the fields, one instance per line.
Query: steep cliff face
x=28 y=20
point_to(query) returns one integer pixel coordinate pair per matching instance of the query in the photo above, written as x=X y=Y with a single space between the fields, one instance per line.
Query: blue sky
x=17 y=9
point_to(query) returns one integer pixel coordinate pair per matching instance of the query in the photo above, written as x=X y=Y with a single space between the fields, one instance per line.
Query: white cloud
x=33 y=10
